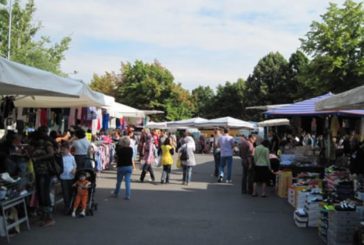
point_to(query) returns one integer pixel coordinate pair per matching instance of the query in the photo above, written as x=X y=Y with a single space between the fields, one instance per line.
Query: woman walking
x=166 y=160
x=262 y=167
x=149 y=150
x=123 y=156
x=187 y=157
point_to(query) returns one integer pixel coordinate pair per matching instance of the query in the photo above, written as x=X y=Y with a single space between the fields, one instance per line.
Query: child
x=82 y=186
x=67 y=176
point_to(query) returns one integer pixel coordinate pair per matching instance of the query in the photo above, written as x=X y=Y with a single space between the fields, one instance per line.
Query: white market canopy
x=351 y=99
x=192 y=122
x=19 y=79
x=158 y=125
x=228 y=122
x=274 y=122
x=118 y=110
x=86 y=98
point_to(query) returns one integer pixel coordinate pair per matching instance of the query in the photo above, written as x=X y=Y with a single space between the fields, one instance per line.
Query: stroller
x=91 y=204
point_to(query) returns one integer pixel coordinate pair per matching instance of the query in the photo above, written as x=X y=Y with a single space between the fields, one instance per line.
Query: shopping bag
x=179 y=163
x=157 y=161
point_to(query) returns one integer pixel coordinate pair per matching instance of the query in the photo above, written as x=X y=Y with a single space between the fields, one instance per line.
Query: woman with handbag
x=187 y=156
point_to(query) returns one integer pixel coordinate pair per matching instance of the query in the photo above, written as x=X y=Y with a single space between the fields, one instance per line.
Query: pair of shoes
x=126 y=198
x=229 y=181
x=254 y=195
x=49 y=222
x=220 y=179
x=162 y=182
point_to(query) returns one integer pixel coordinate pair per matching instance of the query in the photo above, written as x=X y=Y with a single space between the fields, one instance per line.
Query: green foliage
x=203 y=98
x=336 y=45
x=297 y=65
x=151 y=87
x=229 y=100
x=106 y=84
x=24 y=49
x=268 y=83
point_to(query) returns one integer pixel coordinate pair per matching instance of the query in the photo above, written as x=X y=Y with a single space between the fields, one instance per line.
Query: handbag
x=184 y=154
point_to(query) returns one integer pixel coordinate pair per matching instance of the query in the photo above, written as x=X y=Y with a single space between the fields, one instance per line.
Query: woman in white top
x=189 y=161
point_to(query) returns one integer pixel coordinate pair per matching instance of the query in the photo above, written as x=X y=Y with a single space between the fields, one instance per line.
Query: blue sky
x=202 y=42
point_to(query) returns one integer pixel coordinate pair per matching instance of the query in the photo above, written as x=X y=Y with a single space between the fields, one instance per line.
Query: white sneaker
x=73 y=214
x=83 y=214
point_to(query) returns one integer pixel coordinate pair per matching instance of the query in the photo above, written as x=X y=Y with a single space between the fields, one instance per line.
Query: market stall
x=351 y=99
x=228 y=122
x=18 y=79
x=192 y=122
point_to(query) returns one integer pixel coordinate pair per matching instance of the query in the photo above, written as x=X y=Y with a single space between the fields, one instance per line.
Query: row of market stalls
x=324 y=181
x=23 y=87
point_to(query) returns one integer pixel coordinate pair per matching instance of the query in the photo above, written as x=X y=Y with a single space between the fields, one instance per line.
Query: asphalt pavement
x=205 y=212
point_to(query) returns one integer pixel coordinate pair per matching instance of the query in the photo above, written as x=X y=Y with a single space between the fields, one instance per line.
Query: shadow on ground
x=205 y=212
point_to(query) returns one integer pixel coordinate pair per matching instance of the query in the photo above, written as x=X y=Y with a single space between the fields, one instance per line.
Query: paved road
x=205 y=212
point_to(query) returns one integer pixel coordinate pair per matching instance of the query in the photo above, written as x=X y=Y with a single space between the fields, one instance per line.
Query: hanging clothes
x=105 y=121
x=334 y=126
x=72 y=117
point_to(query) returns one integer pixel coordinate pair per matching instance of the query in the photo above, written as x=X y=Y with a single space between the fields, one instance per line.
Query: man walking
x=226 y=144
x=246 y=154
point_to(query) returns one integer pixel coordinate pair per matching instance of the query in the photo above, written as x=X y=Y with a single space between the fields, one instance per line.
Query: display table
x=8 y=204
x=299 y=169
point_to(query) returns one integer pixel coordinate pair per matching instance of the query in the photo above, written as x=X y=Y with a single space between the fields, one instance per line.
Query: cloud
x=235 y=33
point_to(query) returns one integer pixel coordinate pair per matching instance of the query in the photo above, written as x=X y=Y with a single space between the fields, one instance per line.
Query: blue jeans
x=187 y=173
x=121 y=172
x=226 y=160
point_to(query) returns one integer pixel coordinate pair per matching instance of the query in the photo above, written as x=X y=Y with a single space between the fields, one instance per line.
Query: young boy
x=82 y=186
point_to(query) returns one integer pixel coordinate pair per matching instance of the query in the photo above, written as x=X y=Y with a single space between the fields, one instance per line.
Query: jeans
x=166 y=172
x=226 y=160
x=217 y=163
x=147 y=168
x=67 y=193
x=121 y=173
x=187 y=173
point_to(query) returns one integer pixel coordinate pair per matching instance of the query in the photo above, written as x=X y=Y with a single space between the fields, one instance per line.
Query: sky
x=202 y=42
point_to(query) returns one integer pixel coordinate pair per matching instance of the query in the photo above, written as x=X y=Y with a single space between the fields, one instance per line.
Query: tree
x=229 y=100
x=106 y=84
x=297 y=64
x=203 y=98
x=152 y=87
x=24 y=49
x=336 y=45
x=179 y=104
x=268 y=83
